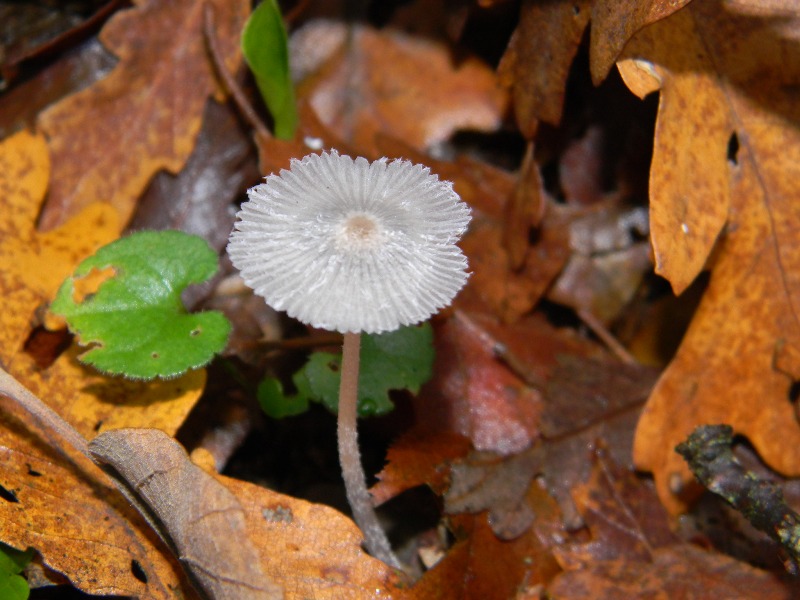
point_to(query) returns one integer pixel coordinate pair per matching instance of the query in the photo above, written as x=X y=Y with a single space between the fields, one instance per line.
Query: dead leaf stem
x=247 y=110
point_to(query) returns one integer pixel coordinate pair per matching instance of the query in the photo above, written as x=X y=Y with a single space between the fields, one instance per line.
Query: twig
x=606 y=337
x=350 y=458
x=46 y=418
x=708 y=452
x=246 y=109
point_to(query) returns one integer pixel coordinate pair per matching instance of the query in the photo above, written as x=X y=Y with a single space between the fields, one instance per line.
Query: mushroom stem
x=355 y=482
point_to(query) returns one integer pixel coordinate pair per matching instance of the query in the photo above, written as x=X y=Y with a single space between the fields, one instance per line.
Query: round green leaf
x=135 y=320
x=397 y=360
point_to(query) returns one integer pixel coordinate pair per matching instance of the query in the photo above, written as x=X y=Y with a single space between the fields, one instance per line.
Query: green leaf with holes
x=397 y=360
x=265 y=48
x=125 y=302
x=12 y=563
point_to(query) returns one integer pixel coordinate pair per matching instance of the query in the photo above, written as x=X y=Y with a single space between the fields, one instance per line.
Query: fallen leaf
x=474 y=395
x=203 y=520
x=67 y=510
x=83 y=66
x=607 y=265
x=418 y=458
x=541 y=50
x=480 y=565
x=35 y=265
x=675 y=572
x=634 y=553
x=312 y=550
x=537 y=61
x=614 y=23
x=361 y=81
x=106 y=143
x=197 y=200
x=738 y=358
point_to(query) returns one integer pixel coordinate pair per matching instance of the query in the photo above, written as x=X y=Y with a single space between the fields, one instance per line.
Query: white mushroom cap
x=349 y=245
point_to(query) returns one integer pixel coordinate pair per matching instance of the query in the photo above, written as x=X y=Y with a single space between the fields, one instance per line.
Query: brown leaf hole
x=86 y=286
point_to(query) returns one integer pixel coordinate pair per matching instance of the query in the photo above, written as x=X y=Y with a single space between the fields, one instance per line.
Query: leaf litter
x=531 y=426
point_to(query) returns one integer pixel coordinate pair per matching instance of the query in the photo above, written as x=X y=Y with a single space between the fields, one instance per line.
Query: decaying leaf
x=34 y=266
x=361 y=82
x=634 y=553
x=480 y=565
x=200 y=517
x=62 y=505
x=729 y=100
x=101 y=150
x=540 y=53
x=197 y=200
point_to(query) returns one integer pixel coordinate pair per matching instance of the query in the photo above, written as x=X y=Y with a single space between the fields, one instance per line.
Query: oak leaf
x=108 y=140
x=634 y=553
x=727 y=106
x=35 y=264
x=541 y=50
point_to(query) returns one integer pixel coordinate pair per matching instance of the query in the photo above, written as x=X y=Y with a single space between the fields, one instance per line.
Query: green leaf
x=265 y=48
x=135 y=318
x=276 y=404
x=12 y=563
x=398 y=360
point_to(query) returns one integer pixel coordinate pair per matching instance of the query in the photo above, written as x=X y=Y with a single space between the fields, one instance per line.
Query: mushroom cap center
x=359 y=232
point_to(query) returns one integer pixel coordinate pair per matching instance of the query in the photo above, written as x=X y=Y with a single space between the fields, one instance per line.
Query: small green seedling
x=12 y=563
x=125 y=301
x=265 y=48
x=397 y=360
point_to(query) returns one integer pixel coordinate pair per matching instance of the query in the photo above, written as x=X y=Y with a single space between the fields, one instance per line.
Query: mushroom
x=353 y=246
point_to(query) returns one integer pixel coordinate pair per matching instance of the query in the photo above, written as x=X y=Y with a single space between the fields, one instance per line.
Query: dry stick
x=606 y=337
x=355 y=482
x=46 y=418
x=247 y=110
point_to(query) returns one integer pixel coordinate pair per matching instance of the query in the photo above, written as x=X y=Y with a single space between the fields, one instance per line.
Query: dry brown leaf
x=34 y=266
x=362 y=81
x=540 y=53
x=675 y=572
x=480 y=565
x=474 y=395
x=37 y=263
x=738 y=358
x=537 y=61
x=689 y=203
x=614 y=22
x=70 y=512
x=418 y=458
x=107 y=141
x=198 y=515
x=634 y=553
x=311 y=550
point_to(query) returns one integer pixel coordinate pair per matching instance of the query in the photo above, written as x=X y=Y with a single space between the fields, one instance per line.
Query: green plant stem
x=350 y=458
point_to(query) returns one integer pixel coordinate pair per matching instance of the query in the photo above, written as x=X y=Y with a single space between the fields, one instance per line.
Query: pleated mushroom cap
x=348 y=245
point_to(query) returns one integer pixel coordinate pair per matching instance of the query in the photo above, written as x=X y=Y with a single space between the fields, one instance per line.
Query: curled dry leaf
x=202 y=519
x=62 y=505
x=306 y=549
x=107 y=143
